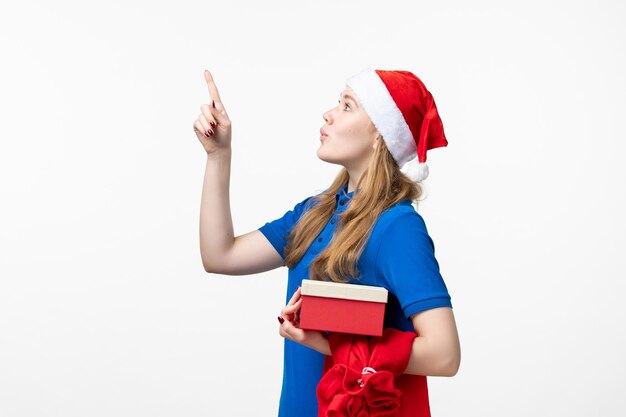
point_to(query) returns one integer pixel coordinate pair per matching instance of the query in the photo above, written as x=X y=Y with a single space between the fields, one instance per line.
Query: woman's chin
x=328 y=159
x=322 y=155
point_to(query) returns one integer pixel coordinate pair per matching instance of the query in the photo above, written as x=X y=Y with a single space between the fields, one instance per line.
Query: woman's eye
x=346 y=105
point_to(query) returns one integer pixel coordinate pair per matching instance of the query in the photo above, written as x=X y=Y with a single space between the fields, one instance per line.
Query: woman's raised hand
x=213 y=127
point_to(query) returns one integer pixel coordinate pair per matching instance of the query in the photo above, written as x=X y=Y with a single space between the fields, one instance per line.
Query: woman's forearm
x=216 y=224
x=430 y=359
x=425 y=359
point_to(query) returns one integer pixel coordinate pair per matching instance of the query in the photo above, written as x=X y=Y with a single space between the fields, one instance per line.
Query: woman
x=363 y=229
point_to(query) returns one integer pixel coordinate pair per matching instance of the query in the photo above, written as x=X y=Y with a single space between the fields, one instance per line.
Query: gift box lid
x=345 y=291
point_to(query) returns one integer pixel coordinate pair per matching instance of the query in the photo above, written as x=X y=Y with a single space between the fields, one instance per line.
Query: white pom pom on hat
x=405 y=114
x=415 y=170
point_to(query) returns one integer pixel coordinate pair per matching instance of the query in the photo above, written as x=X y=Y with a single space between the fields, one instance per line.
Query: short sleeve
x=277 y=231
x=407 y=266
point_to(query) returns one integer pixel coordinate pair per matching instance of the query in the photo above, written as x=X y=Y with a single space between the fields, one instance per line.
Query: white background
x=105 y=309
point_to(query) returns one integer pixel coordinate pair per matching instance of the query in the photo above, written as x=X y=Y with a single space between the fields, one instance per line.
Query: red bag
x=364 y=377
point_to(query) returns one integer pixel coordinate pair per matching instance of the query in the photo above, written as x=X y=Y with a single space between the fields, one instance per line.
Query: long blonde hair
x=381 y=186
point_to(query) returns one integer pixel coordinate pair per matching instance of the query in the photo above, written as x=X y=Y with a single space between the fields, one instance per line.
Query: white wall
x=105 y=308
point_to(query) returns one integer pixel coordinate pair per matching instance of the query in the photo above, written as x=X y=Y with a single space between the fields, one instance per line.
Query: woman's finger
x=219 y=114
x=291 y=312
x=216 y=106
x=205 y=124
x=199 y=128
x=289 y=331
x=215 y=95
x=295 y=296
x=206 y=112
x=291 y=308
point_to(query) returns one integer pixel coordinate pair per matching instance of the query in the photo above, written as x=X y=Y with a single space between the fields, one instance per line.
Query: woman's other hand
x=289 y=320
x=213 y=127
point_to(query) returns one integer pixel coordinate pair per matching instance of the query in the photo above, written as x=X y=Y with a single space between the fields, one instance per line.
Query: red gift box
x=343 y=308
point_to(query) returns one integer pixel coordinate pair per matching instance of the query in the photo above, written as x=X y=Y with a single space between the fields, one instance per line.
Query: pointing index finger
x=215 y=95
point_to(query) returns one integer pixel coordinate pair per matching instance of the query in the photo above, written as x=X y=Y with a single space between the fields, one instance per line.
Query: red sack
x=364 y=377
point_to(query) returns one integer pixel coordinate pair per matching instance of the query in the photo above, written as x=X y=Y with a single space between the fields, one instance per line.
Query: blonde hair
x=381 y=186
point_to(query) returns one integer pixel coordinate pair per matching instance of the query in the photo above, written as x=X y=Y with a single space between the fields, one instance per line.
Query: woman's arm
x=222 y=253
x=436 y=349
x=220 y=250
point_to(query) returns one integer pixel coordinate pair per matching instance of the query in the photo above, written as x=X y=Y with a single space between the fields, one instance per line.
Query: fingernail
x=210 y=132
x=281 y=320
x=213 y=103
x=213 y=125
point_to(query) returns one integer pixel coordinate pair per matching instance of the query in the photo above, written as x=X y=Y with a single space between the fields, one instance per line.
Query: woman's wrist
x=321 y=344
x=223 y=153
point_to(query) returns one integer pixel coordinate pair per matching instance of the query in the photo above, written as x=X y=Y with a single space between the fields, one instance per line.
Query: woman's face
x=350 y=134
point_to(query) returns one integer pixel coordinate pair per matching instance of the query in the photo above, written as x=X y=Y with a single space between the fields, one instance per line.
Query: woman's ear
x=376 y=141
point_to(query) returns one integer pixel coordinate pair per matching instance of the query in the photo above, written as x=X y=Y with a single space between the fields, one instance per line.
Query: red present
x=342 y=308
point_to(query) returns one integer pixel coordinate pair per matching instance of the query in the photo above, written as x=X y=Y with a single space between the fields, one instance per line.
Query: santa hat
x=405 y=114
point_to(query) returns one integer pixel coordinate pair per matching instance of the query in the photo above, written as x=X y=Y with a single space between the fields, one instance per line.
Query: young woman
x=363 y=229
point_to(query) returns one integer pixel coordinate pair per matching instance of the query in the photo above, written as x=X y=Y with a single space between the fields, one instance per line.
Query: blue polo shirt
x=399 y=255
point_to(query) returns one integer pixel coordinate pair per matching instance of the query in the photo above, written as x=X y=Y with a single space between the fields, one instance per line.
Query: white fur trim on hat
x=385 y=114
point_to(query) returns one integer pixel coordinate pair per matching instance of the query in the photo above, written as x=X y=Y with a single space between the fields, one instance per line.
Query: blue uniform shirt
x=399 y=255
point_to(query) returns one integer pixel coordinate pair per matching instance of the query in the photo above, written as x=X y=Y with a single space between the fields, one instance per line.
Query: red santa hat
x=405 y=114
